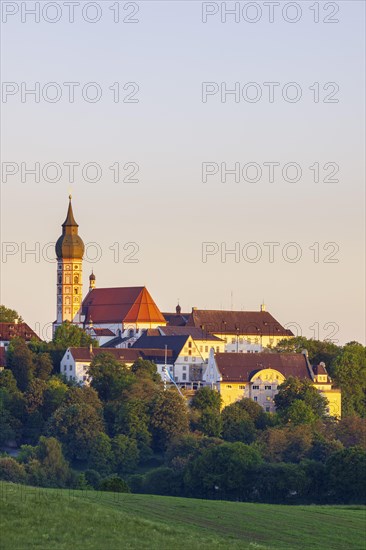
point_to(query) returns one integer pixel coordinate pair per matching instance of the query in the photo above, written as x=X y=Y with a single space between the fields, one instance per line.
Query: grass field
x=54 y=519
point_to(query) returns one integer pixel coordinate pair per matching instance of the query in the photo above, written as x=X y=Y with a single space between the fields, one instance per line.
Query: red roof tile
x=121 y=305
x=14 y=330
x=242 y=366
x=123 y=355
x=237 y=322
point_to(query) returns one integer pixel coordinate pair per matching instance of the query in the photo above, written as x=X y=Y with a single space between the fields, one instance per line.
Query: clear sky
x=169 y=132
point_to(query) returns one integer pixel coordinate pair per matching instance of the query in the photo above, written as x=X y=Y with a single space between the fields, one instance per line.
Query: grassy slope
x=44 y=518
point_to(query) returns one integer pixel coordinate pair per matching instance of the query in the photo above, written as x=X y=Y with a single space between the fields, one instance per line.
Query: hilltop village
x=230 y=351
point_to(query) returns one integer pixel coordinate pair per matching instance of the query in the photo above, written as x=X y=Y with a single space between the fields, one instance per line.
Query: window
x=70 y=367
x=241 y=387
x=184 y=367
x=267 y=409
x=206 y=349
x=184 y=376
x=255 y=387
x=228 y=387
x=193 y=359
x=233 y=340
x=267 y=387
x=189 y=352
x=186 y=358
x=256 y=399
x=240 y=340
x=189 y=344
x=218 y=349
x=201 y=349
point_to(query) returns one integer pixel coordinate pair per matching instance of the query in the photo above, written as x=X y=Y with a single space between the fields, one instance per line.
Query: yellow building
x=257 y=377
x=242 y=331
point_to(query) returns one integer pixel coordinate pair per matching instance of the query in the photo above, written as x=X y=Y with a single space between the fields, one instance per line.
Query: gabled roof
x=176 y=320
x=195 y=332
x=254 y=323
x=14 y=330
x=121 y=305
x=173 y=343
x=236 y=367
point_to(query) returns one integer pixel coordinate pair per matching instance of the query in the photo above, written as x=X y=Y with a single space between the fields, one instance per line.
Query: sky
x=142 y=109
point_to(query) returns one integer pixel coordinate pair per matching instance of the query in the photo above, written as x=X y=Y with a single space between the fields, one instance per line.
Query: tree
x=319 y=351
x=9 y=315
x=288 y=444
x=299 y=412
x=125 y=454
x=296 y=389
x=132 y=419
x=77 y=422
x=53 y=396
x=206 y=398
x=114 y=484
x=351 y=431
x=11 y=470
x=56 y=468
x=100 y=456
x=205 y=416
x=169 y=418
x=350 y=374
x=237 y=424
x=70 y=335
x=35 y=395
x=223 y=471
x=346 y=471
x=42 y=366
x=20 y=362
x=146 y=369
x=109 y=377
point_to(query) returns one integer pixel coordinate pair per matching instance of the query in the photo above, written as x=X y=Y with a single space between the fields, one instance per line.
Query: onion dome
x=70 y=245
x=92 y=276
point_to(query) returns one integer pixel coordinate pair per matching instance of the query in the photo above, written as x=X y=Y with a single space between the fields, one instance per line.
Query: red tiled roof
x=103 y=332
x=255 y=323
x=13 y=330
x=242 y=366
x=320 y=369
x=121 y=305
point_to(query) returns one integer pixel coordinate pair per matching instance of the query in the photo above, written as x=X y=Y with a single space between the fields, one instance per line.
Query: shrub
x=11 y=470
x=114 y=484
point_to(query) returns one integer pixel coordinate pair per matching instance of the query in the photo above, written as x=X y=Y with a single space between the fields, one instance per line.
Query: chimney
x=263 y=307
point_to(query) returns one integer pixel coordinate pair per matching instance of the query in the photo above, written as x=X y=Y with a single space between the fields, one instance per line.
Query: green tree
x=205 y=412
x=77 y=422
x=125 y=454
x=146 y=369
x=42 y=365
x=296 y=389
x=346 y=471
x=223 y=471
x=169 y=418
x=299 y=412
x=71 y=335
x=11 y=470
x=351 y=431
x=100 y=456
x=20 y=362
x=350 y=375
x=9 y=315
x=132 y=418
x=206 y=398
x=54 y=394
x=237 y=424
x=109 y=377
x=56 y=468
x=114 y=484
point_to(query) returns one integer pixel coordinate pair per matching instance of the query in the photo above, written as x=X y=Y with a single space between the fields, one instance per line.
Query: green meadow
x=52 y=519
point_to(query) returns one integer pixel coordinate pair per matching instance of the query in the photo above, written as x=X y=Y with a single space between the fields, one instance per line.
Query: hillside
x=60 y=519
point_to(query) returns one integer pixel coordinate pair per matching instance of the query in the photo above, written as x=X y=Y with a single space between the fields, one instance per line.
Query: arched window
x=76 y=290
x=76 y=280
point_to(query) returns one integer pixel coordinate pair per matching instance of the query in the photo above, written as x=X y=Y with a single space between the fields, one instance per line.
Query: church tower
x=69 y=252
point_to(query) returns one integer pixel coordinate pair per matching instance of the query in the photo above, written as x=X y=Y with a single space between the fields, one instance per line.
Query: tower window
x=76 y=280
